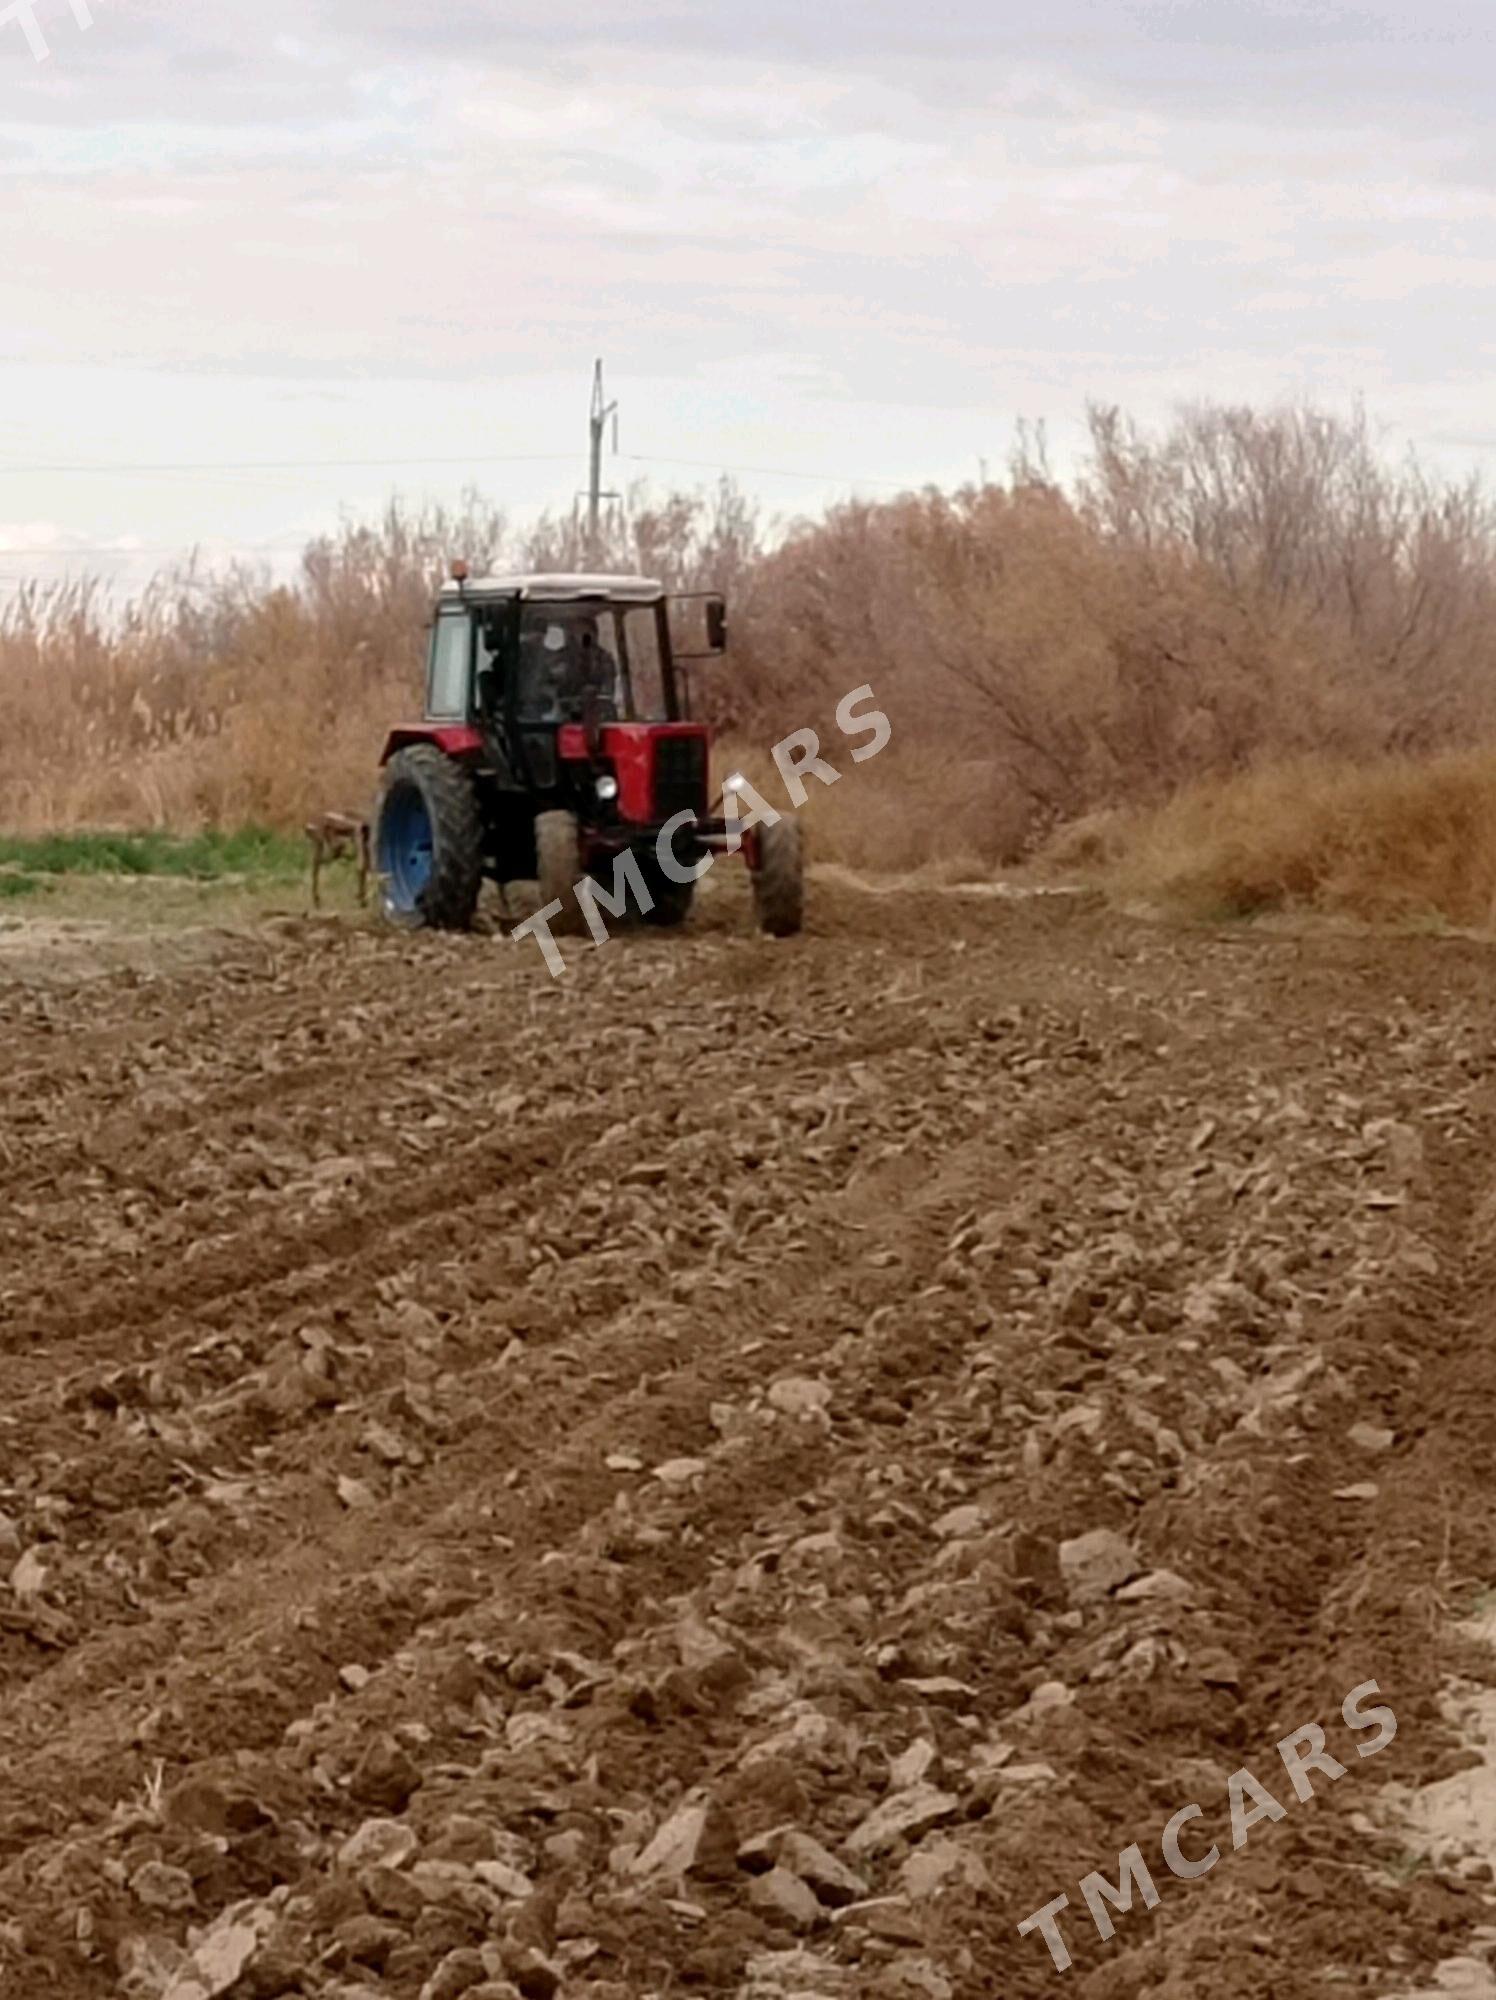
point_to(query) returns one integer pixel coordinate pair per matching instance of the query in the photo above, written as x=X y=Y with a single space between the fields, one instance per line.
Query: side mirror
x=709 y=623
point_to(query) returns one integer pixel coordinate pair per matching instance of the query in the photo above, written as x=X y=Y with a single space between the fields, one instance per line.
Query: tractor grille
x=679 y=775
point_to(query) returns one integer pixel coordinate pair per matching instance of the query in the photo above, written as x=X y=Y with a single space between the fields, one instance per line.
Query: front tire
x=779 y=879
x=428 y=842
x=672 y=900
x=558 y=868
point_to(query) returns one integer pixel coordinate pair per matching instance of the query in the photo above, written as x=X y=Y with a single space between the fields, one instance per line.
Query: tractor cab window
x=451 y=656
x=644 y=664
x=567 y=651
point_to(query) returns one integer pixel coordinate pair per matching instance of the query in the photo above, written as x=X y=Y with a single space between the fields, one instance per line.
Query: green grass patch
x=253 y=851
x=14 y=887
x=1403 y=1867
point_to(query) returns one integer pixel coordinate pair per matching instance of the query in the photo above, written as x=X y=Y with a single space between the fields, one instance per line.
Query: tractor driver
x=597 y=672
x=589 y=671
x=561 y=665
x=542 y=672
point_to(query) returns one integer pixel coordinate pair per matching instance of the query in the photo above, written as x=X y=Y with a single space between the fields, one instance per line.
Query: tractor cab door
x=538 y=683
x=525 y=665
x=543 y=666
x=566 y=670
x=495 y=626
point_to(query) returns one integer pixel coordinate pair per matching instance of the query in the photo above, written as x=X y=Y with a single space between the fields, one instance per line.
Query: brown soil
x=516 y=1410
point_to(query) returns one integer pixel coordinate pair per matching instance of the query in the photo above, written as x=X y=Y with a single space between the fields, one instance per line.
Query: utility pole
x=601 y=411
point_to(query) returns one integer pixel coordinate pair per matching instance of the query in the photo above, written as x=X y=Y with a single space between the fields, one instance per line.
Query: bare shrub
x=1245 y=587
x=1248 y=587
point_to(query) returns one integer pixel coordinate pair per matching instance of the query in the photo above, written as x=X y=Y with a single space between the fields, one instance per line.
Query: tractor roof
x=559 y=586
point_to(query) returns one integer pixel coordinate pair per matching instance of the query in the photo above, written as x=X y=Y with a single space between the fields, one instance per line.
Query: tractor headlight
x=607 y=789
x=736 y=783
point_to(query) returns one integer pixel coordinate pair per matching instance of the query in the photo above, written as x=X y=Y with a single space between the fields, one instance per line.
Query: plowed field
x=568 y=1486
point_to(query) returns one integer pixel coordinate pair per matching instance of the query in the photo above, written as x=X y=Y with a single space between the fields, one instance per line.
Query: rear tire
x=779 y=879
x=672 y=900
x=428 y=842
x=558 y=868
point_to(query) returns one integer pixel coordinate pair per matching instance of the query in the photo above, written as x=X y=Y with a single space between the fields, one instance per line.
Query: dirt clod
x=743 y=1474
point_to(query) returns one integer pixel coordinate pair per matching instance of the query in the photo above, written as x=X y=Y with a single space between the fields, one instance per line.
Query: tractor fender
x=454 y=739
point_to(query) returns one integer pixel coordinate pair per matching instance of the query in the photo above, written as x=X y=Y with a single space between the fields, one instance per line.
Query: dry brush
x=1244 y=589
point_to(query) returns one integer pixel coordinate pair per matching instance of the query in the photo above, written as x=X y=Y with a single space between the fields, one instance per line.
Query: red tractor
x=556 y=744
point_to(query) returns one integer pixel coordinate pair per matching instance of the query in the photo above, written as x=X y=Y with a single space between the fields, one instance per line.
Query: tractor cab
x=565 y=652
x=556 y=736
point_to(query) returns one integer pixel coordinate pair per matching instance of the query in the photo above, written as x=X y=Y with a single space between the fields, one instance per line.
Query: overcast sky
x=855 y=239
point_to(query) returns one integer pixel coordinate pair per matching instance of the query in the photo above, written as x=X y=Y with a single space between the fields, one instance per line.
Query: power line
x=297 y=464
x=127 y=470
x=765 y=471
x=290 y=544
x=161 y=549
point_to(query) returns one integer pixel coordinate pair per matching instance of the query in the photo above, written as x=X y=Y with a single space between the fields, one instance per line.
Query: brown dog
x=334 y=836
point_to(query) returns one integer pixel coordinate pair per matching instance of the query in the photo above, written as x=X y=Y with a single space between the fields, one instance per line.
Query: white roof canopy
x=560 y=586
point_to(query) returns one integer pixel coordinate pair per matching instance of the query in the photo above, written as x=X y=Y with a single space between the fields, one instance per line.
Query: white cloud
x=862 y=236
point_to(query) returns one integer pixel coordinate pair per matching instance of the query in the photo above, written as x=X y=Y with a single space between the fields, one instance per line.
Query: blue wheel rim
x=406 y=848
